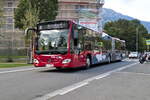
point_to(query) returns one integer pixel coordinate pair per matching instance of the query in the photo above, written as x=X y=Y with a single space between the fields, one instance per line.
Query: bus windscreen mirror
x=36 y=43
x=30 y=29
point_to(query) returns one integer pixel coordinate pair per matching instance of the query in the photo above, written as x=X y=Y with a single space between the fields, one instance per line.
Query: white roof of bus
x=105 y=34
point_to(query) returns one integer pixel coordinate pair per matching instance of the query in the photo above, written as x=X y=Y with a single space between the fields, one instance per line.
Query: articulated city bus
x=66 y=44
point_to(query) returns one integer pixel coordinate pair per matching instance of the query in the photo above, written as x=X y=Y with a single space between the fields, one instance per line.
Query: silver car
x=133 y=55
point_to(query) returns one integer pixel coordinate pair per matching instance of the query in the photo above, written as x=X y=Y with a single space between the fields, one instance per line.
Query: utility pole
x=137 y=39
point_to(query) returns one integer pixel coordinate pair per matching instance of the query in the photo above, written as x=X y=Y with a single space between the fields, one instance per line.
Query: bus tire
x=88 y=63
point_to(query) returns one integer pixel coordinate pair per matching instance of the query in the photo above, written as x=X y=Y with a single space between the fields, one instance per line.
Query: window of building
x=9 y=19
x=9 y=4
x=8 y=10
x=9 y=0
x=9 y=26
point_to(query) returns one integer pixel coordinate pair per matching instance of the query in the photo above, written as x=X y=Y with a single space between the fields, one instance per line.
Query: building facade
x=85 y=12
x=9 y=8
x=76 y=10
x=11 y=39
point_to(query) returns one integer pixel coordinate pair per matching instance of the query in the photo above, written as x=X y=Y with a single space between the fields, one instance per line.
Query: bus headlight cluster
x=66 y=61
x=35 y=61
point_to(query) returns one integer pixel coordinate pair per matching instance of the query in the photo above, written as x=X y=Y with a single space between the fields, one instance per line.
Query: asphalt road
x=34 y=84
x=129 y=84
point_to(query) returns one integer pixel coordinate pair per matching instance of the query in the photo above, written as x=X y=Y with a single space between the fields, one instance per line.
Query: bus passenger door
x=77 y=46
x=79 y=54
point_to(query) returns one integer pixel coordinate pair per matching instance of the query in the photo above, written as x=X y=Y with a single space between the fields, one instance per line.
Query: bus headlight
x=35 y=61
x=66 y=61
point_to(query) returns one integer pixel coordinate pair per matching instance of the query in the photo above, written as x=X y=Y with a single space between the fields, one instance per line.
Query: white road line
x=135 y=73
x=62 y=91
x=20 y=70
x=70 y=88
x=102 y=76
x=127 y=59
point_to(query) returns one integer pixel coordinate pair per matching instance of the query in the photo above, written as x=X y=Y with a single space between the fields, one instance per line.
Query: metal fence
x=12 y=46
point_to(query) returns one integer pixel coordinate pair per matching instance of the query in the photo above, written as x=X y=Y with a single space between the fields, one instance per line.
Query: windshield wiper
x=51 y=52
x=42 y=52
x=58 y=52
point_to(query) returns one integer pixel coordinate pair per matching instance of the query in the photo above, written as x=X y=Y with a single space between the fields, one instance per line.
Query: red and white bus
x=66 y=44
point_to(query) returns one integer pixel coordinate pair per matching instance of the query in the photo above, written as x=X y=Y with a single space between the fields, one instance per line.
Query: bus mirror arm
x=29 y=29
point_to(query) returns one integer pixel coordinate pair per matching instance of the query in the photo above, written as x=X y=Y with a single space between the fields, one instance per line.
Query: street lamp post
x=137 y=39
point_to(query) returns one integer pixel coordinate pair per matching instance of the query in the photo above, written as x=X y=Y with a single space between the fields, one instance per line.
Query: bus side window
x=75 y=37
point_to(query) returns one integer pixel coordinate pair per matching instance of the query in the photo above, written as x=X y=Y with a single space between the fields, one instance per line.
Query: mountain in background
x=111 y=15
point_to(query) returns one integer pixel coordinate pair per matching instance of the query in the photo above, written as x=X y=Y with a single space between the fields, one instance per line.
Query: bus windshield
x=53 y=41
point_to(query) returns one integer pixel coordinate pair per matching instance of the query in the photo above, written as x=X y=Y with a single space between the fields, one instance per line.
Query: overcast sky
x=139 y=9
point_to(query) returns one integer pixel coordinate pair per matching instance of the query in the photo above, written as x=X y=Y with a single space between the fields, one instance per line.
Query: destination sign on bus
x=50 y=26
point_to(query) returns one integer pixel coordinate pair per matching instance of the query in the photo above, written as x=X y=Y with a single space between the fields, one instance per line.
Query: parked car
x=133 y=55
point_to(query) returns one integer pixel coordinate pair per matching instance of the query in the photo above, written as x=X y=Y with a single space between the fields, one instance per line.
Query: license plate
x=49 y=65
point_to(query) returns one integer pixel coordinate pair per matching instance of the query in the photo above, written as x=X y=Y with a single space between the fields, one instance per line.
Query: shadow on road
x=73 y=70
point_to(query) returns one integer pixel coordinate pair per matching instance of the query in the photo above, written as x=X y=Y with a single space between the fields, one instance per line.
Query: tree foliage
x=128 y=30
x=30 y=17
x=41 y=10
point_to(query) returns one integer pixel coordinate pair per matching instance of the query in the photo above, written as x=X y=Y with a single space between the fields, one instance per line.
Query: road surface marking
x=20 y=70
x=127 y=59
x=62 y=91
x=135 y=73
x=73 y=87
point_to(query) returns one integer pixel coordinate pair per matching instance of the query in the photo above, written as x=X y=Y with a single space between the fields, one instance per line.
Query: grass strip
x=13 y=56
x=10 y=65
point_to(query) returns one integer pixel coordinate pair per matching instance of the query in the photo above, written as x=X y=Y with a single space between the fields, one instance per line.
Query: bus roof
x=46 y=22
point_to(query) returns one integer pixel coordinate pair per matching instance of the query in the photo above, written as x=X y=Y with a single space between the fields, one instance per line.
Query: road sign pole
x=137 y=40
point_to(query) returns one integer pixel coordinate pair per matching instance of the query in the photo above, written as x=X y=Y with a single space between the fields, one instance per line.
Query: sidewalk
x=16 y=68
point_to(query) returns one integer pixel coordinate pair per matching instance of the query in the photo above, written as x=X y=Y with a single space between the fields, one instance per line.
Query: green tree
x=128 y=31
x=44 y=10
x=29 y=13
x=30 y=17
